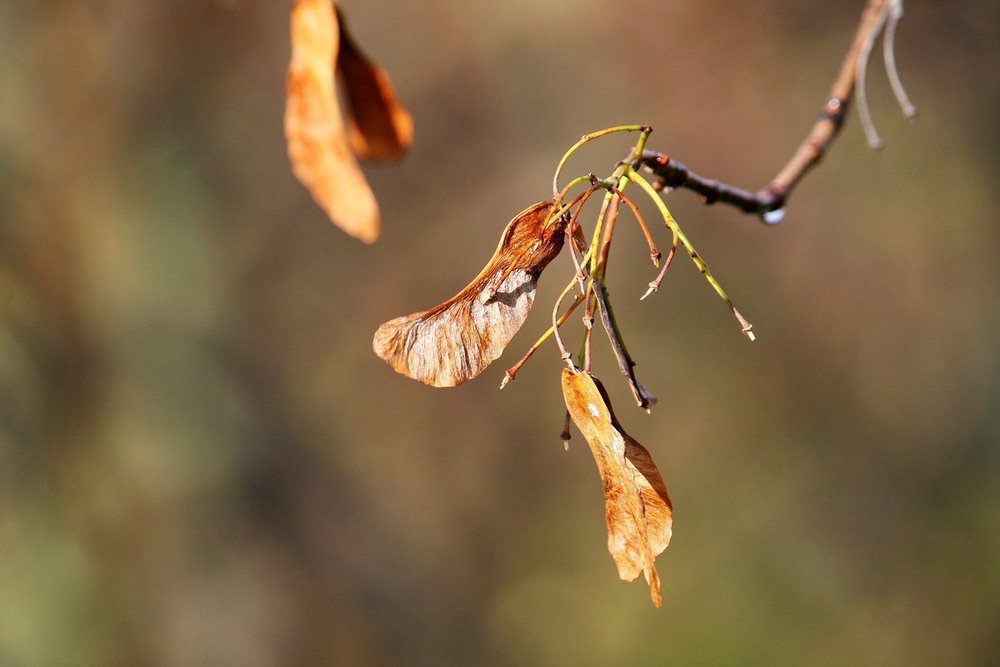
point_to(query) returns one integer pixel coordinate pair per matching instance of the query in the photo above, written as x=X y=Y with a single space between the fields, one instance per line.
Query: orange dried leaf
x=637 y=508
x=314 y=128
x=455 y=341
x=378 y=127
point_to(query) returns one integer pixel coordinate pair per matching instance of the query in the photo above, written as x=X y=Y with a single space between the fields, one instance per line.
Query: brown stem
x=655 y=285
x=512 y=371
x=625 y=363
x=654 y=253
x=773 y=197
x=609 y=212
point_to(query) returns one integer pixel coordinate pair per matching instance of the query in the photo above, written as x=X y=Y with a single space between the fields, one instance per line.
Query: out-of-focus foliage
x=202 y=462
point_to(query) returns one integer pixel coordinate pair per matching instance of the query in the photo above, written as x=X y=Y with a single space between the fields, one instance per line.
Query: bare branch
x=769 y=201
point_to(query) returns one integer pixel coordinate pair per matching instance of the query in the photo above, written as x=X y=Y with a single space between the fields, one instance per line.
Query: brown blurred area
x=203 y=463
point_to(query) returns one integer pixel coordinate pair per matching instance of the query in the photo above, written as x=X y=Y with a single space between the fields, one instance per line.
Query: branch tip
x=507 y=377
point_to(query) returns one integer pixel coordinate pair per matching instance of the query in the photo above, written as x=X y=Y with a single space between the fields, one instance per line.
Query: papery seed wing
x=637 y=508
x=378 y=127
x=657 y=508
x=455 y=341
x=314 y=128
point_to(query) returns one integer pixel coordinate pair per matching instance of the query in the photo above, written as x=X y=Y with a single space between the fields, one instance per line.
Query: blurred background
x=203 y=463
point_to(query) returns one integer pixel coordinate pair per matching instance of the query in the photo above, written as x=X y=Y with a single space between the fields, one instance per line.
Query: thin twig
x=692 y=253
x=770 y=200
x=642 y=395
x=655 y=284
x=556 y=321
x=889 y=54
x=654 y=253
x=861 y=82
x=610 y=220
x=512 y=371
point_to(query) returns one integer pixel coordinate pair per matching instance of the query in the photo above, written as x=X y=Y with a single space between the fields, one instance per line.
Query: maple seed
x=314 y=126
x=638 y=511
x=321 y=146
x=378 y=127
x=457 y=340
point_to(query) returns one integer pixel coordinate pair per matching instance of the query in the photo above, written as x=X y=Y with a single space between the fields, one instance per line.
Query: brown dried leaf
x=637 y=508
x=314 y=128
x=455 y=341
x=378 y=127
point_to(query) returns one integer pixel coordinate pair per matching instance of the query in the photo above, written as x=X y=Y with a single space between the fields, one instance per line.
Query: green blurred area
x=203 y=463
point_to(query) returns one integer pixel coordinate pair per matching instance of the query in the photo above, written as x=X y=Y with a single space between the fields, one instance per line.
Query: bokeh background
x=203 y=463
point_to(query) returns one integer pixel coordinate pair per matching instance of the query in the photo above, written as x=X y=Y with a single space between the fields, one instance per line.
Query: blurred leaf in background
x=202 y=462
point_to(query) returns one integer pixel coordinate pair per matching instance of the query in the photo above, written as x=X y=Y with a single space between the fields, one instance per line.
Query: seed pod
x=455 y=341
x=637 y=508
x=378 y=127
x=321 y=146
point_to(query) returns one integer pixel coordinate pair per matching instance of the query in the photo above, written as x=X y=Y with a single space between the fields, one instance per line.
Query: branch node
x=711 y=193
x=835 y=111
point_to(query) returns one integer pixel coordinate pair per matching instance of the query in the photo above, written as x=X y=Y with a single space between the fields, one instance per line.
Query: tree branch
x=769 y=201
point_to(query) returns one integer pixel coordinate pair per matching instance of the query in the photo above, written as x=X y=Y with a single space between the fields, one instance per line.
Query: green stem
x=590 y=137
x=558 y=209
x=695 y=257
x=618 y=181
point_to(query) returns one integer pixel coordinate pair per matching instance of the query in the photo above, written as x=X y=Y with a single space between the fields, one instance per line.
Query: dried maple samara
x=321 y=146
x=638 y=512
x=455 y=341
